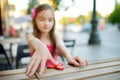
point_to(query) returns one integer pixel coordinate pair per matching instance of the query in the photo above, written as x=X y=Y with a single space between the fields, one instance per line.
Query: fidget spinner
x=60 y=66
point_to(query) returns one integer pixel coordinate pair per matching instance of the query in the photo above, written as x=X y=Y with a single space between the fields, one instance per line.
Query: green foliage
x=115 y=15
x=31 y=4
x=81 y=19
x=90 y=14
x=59 y=4
x=56 y=3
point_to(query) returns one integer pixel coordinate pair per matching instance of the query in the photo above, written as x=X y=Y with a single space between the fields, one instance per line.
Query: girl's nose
x=46 y=22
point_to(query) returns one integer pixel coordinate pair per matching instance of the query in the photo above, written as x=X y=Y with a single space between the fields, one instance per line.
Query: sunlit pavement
x=109 y=47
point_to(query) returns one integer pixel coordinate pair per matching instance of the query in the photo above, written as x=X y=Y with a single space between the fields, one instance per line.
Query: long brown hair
x=36 y=31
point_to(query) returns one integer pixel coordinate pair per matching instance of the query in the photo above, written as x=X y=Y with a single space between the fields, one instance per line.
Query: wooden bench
x=107 y=69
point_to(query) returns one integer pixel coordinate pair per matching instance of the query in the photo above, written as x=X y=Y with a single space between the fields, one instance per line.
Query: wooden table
x=10 y=41
x=108 y=69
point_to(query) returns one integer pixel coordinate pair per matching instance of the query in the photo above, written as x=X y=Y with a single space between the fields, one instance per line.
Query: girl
x=45 y=42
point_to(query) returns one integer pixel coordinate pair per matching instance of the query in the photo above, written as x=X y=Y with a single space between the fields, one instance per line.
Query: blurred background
x=93 y=24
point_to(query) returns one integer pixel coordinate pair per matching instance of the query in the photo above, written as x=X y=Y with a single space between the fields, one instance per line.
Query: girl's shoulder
x=58 y=35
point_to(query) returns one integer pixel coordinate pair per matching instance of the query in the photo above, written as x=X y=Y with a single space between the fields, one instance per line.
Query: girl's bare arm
x=41 y=54
x=62 y=49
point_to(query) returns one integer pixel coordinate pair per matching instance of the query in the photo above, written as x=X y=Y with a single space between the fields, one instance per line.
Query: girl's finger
x=78 y=59
x=73 y=62
x=34 y=68
x=53 y=61
x=30 y=64
x=42 y=67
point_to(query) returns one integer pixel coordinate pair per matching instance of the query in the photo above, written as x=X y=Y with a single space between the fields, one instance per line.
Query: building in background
x=5 y=8
x=3 y=16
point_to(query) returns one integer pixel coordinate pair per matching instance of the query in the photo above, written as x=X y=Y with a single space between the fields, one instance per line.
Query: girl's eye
x=50 y=20
x=41 y=19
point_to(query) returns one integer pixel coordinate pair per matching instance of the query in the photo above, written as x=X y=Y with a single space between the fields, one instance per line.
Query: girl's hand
x=77 y=61
x=39 y=57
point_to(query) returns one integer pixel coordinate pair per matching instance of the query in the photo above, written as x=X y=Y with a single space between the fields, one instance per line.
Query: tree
x=114 y=17
x=60 y=4
x=56 y=3
x=31 y=4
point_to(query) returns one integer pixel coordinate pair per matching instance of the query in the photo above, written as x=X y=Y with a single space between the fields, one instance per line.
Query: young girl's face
x=45 y=21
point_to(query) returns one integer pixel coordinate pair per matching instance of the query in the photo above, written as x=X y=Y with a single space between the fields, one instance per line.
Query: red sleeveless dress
x=51 y=50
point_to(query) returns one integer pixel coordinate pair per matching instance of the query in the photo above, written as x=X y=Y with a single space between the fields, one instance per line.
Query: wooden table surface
x=108 y=69
x=10 y=40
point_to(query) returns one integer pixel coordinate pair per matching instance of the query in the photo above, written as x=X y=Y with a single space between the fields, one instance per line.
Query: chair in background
x=22 y=52
x=3 y=52
x=69 y=43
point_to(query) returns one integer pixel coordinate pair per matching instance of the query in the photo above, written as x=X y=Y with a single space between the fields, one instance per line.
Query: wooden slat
x=14 y=77
x=104 y=61
x=12 y=72
x=113 y=76
x=83 y=75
